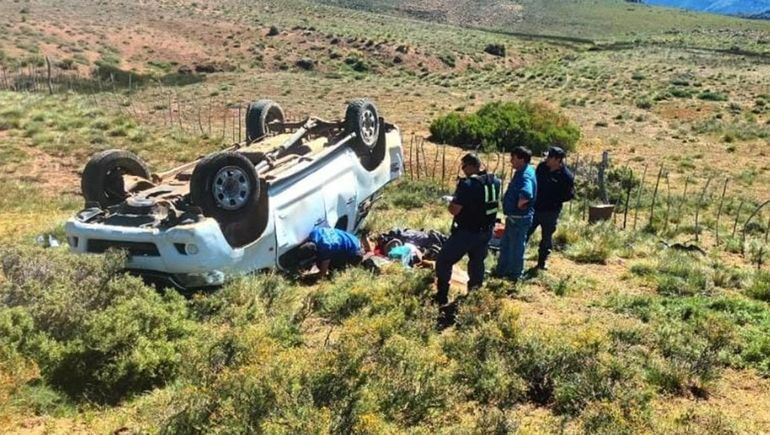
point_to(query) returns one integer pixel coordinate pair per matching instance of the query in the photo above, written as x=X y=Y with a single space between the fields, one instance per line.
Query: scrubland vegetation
x=631 y=331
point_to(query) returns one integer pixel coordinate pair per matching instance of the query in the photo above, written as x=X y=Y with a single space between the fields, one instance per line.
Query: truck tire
x=241 y=222
x=224 y=184
x=259 y=115
x=361 y=118
x=102 y=179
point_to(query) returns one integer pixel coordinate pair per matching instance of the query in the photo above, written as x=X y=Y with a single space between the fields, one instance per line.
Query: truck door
x=300 y=210
x=340 y=200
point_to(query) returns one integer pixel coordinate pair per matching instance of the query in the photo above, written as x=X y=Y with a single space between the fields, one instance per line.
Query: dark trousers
x=343 y=260
x=547 y=221
x=461 y=242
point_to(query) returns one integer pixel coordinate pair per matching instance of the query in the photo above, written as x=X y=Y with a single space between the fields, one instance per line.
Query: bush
x=376 y=370
x=448 y=59
x=94 y=333
x=677 y=274
x=357 y=64
x=700 y=334
x=504 y=126
x=712 y=96
x=692 y=353
x=597 y=244
x=760 y=286
x=495 y=50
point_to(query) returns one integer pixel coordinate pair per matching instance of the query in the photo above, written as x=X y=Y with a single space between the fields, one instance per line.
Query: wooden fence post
x=435 y=162
x=603 y=166
x=170 y=112
x=654 y=197
x=639 y=195
x=697 y=208
x=628 y=198
x=443 y=164
x=417 y=157
x=668 y=203
x=737 y=216
x=751 y=216
x=225 y=114
x=719 y=212
x=200 y=123
x=411 y=158
x=682 y=202
x=48 y=69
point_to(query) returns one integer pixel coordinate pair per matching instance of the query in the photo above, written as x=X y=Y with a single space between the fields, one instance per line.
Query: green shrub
x=644 y=103
x=712 y=96
x=676 y=274
x=680 y=93
x=715 y=331
x=597 y=244
x=692 y=353
x=373 y=368
x=94 y=333
x=495 y=49
x=448 y=59
x=760 y=286
x=504 y=126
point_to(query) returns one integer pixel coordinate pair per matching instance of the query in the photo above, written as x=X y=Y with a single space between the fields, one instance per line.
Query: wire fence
x=710 y=209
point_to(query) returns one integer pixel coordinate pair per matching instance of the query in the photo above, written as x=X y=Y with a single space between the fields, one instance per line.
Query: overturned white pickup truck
x=242 y=209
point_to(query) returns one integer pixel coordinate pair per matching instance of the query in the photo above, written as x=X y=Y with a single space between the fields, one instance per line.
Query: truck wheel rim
x=368 y=127
x=231 y=188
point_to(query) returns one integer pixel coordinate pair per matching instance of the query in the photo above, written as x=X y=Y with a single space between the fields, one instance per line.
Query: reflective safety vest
x=492 y=188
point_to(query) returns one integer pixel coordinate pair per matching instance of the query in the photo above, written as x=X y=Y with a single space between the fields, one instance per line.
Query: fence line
x=223 y=120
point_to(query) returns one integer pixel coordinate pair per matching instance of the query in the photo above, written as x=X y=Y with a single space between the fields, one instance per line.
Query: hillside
x=602 y=19
x=632 y=330
x=727 y=7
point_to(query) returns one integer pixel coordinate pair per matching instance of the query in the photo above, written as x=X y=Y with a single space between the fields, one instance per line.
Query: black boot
x=541 y=262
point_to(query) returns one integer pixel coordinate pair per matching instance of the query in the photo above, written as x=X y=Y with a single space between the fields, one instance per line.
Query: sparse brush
x=597 y=244
x=676 y=274
x=568 y=285
x=760 y=286
x=692 y=353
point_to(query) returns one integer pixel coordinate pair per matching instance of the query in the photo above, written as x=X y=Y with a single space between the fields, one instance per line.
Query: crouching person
x=331 y=249
x=474 y=208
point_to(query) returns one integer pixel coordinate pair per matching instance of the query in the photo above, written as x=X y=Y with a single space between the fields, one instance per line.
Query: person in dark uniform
x=556 y=185
x=474 y=207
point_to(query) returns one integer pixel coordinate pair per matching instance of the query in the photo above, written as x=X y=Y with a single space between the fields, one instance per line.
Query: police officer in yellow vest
x=474 y=207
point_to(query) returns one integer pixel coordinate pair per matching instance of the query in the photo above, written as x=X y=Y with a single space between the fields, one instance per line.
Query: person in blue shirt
x=519 y=208
x=331 y=248
x=474 y=209
x=555 y=186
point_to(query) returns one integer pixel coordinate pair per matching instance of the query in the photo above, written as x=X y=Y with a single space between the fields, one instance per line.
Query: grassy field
x=622 y=335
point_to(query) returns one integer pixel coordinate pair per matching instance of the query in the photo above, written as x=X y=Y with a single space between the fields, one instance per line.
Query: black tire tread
x=256 y=118
x=93 y=178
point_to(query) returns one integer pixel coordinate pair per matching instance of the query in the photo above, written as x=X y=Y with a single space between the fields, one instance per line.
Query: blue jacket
x=523 y=184
x=331 y=241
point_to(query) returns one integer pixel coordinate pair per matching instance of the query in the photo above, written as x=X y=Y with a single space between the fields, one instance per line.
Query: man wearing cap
x=519 y=208
x=556 y=185
x=474 y=208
